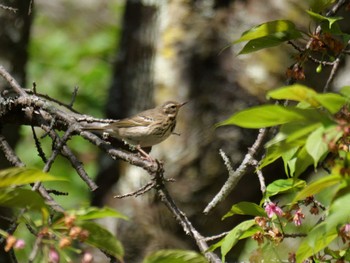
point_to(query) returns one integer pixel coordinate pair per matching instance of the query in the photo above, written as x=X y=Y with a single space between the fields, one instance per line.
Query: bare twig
x=44 y=96
x=67 y=152
x=144 y=189
x=8 y=8
x=74 y=95
x=40 y=150
x=14 y=84
x=181 y=217
x=235 y=176
x=212 y=238
x=35 y=249
x=261 y=177
x=10 y=153
x=311 y=58
x=332 y=74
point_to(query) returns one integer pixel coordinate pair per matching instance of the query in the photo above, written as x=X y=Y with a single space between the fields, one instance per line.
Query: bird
x=145 y=129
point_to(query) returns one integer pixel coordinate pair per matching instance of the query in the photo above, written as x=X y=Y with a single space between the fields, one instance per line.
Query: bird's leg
x=144 y=154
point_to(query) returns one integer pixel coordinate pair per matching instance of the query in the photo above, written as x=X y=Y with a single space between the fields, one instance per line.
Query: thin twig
x=67 y=153
x=40 y=150
x=332 y=74
x=57 y=148
x=14 y=84
x=74 y=95
x=10 y=153
x=8 y=8
x=311 y=58
x=235 y=176
x=35 y=249
x=144 y=189
x=44 y=96
x=212 y=238
x=261 y=177
x=180 y=216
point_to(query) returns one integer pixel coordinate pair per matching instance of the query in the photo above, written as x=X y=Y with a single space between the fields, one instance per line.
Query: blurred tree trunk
x=14 y=38
x=131 y=90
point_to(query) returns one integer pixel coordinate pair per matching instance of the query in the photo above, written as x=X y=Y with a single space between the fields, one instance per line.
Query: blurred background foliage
x=72 y=44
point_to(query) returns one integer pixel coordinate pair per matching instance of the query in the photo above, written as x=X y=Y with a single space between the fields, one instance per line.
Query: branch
x=9 y=153
x=235 y=176
x=165 y=197
x=13 y=83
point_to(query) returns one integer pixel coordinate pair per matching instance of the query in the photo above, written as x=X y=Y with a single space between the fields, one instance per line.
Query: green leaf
x=245 y=208
x=316 y=240
x=318 y=17
x=284 y=185
x=234 y=235
x=265 y=116
x=303 y=161
x=345 y=91
x=316 y=145
x=174 y=256
x=324 y=233
x=102 y=239
x=276 y=151
x=289 y=161
x=317 y=186
x=22 y=175
x=295 y=92
x=299 y=131
x=263 y=42
x=95 y=213
x=271 y=28
x=331 y=101
x=21 y=198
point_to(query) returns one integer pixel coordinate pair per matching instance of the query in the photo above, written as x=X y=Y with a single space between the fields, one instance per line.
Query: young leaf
x=101 y=238
x=21 y=198
x=316 y=240
x=331 y=20
x=265 y=116
x=297 y=132
x=22 y=175
x=317 y=186
x=296 y=92
x=245 y=208
x=303 y=160
x=284 y=185
x=95 y=213
x=276 y=151
x=271 y=28
x=174 y=256
x=345 y=91
x=316 y=145
x=263 y=42
x=331 y=101
x=234 y=235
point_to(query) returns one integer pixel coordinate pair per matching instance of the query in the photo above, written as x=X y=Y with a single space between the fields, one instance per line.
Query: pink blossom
x=347 y=228
x=20 y=244
x=297 y=217
x=87 y=258
x=273 y=209
x=54 y=257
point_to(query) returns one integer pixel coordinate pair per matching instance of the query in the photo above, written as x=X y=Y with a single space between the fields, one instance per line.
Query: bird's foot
x=144 y=155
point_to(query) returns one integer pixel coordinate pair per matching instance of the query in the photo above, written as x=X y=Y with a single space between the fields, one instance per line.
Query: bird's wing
x=138 y=120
